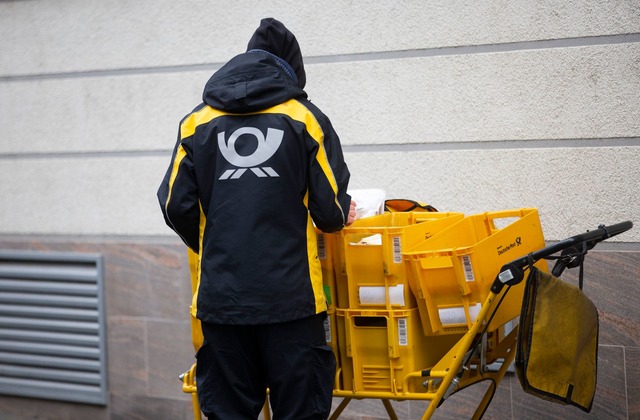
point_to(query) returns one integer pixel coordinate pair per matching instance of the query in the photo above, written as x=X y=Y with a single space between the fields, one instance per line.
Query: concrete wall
x=469 y=106
x=489 y=105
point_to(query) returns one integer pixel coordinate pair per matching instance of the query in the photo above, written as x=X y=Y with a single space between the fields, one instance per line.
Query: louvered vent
x=52 y=326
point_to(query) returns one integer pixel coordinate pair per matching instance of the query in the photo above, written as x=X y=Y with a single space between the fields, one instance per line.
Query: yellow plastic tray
x=452 y=272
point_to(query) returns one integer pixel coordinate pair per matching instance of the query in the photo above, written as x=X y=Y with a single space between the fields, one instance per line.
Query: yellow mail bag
x=557 y=350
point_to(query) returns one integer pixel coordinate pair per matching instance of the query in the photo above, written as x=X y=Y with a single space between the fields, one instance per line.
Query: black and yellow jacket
x=253 y=166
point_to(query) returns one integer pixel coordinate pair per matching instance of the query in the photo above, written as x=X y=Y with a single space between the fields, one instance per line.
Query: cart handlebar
x=513 y=272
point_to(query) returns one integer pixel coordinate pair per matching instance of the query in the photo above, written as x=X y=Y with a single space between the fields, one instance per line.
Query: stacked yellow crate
x=452 y=272
x=378 y=318
x=404 y=287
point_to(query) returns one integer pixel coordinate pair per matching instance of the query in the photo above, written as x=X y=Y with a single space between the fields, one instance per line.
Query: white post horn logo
x=266 y=148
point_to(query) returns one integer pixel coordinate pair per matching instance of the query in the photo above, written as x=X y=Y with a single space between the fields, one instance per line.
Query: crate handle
x=505 y=214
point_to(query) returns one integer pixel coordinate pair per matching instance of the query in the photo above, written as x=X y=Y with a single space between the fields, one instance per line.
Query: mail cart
x=420 y=304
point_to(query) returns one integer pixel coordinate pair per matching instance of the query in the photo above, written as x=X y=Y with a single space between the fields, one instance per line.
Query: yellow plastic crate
x=453 y=271
x=370 y=257
x=379 y=348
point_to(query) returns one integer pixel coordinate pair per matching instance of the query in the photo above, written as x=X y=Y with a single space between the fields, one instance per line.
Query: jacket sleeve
x=178 y=196
x=328 y=180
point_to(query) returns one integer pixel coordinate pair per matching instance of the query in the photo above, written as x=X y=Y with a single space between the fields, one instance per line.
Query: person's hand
x=352 y=213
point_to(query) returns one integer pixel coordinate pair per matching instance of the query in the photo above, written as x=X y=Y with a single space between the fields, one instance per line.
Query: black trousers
x=237 y=363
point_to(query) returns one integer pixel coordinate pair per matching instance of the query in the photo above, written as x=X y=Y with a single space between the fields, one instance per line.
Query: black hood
x=261 y=77
x=274 y=37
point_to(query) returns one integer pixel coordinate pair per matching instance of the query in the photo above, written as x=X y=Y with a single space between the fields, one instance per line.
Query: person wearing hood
x=256 y=168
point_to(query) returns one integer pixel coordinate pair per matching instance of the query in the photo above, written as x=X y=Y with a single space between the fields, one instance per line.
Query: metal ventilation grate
x=52 y=326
